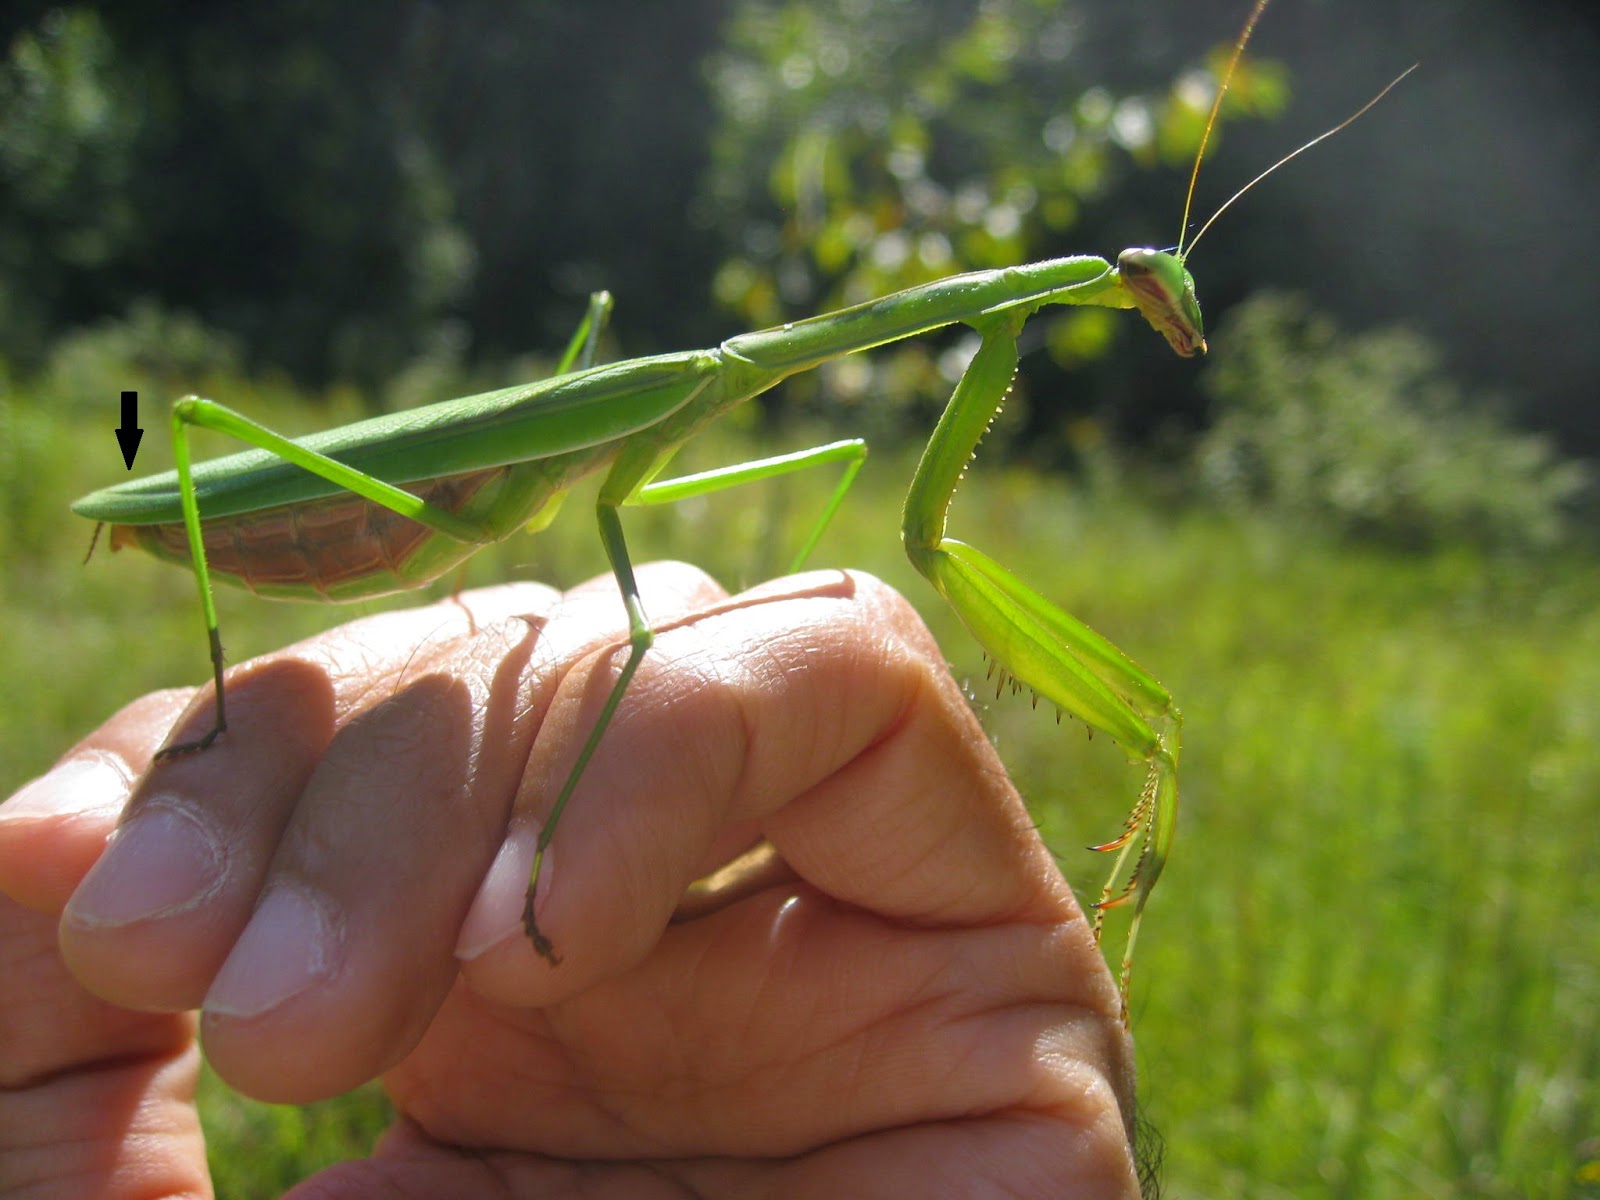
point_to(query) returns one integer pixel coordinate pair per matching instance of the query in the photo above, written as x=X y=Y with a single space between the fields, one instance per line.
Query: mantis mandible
x=394 y=502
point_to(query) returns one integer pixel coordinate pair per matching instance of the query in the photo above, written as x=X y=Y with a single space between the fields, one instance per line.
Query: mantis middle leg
x=630 y=484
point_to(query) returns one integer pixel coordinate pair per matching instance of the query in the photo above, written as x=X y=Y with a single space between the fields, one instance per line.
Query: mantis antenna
x=1211 y=119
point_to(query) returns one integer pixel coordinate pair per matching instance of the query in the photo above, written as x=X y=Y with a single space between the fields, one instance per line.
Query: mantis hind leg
x=207 y=414
x=1036 y=643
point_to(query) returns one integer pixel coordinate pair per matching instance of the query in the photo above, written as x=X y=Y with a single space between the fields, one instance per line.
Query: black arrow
x=129 y=433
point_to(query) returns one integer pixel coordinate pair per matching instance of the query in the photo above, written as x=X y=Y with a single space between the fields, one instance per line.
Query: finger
x=785 y=1022
x=350 y=949
x=154 y=918
x=55 y=827
x=72 y=1067
x=94 y=1100
x=767 y=713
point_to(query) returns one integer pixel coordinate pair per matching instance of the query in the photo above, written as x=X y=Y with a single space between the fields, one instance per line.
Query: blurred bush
x=1364 y=435
x=151 y=349
x=864 y=148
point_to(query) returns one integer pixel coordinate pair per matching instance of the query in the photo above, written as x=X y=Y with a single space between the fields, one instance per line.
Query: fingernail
x=161 y=862
x=291 y=943
x=496 y=912
x=85 y=785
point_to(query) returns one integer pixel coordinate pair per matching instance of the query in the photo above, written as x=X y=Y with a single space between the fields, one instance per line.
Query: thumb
x=95 y=1100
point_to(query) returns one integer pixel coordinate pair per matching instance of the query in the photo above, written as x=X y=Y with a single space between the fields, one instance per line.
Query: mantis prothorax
x=395 y=502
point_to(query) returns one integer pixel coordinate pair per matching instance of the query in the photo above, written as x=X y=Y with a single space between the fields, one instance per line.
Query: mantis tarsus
x=394 y=502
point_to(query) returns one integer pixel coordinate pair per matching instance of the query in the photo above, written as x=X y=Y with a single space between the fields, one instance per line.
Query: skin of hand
x=906 y=1002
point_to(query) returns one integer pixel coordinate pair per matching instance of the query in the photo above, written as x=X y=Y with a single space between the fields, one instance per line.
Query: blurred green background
x=1356 y=542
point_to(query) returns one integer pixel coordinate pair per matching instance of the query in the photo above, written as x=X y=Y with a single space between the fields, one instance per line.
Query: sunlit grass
x=1371 y=969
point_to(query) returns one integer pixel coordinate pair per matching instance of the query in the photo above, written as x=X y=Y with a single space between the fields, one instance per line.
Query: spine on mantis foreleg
x=977 y=400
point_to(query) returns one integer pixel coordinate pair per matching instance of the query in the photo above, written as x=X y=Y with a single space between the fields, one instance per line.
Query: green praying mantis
x=394 y=502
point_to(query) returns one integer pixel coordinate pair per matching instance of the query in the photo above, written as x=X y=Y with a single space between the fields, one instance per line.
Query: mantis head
x=1163 y=291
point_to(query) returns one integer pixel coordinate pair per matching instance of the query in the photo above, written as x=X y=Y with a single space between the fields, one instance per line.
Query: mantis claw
x=530 y=925
x=184 y=748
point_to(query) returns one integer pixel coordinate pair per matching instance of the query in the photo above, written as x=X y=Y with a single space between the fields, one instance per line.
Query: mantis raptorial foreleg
x=1033 y=641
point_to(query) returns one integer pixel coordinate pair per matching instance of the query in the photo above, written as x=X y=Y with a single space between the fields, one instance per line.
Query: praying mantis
x=395 y=502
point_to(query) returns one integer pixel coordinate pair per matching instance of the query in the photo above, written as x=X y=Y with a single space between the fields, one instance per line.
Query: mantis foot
x=194 y=747
x=530 y=924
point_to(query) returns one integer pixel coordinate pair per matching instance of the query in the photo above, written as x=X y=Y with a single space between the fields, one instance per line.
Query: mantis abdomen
x=346 y=547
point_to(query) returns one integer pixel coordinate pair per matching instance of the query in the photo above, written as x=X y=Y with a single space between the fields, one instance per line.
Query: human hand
x=909 y=1003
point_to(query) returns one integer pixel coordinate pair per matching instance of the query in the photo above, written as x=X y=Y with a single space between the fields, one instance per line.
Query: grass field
x=1373 y=967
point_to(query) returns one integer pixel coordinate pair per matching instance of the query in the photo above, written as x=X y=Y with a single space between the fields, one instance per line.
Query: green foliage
x=1365 y=435
x=152 y=350
x=260 y=1151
